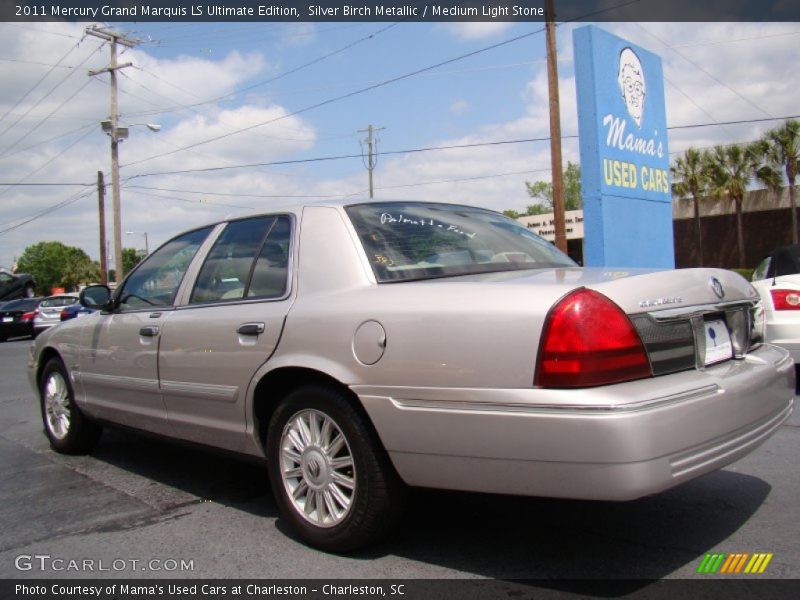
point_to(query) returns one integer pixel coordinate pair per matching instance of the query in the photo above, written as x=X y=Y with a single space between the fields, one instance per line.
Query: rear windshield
x=407 y=241
x=24 y=304
x=58 y=301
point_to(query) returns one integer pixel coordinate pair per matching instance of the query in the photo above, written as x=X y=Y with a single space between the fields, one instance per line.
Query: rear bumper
x=616 y=442
x=786 y=335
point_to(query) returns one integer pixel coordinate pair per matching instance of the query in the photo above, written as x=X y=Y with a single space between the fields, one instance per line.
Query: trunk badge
x=660 y=302
x=717 y=288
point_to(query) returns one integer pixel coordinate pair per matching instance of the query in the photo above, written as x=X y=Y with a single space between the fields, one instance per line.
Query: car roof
x=21 y=302
x=298 y=206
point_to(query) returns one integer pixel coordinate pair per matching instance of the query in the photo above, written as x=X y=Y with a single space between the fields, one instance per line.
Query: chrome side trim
x=135 y=384
x=593 y=409
x=203 y=391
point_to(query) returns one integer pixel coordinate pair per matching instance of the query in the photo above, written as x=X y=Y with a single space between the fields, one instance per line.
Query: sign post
x=625 y=179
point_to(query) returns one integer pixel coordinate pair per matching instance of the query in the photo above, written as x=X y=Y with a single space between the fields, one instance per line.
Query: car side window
x=5 y=278
x=760 y=271
x=155 y=281
x=271 y=269
x=245 y=247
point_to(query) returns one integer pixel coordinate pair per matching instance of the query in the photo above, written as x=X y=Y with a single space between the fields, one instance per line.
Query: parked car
x=75 y=310
x=48 y=313
x=15 y=285
x=777 y=279
x=16 y=318
x=362 y=347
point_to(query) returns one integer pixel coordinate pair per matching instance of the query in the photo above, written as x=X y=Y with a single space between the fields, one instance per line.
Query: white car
x=777 y=279
x=49 y=311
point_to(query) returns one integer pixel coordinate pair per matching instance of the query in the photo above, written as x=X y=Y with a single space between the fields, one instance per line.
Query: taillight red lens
x=587 y=341
x=29 y=316
x=785 y=299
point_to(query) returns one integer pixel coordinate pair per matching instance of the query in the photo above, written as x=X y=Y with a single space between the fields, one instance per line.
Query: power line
x=699 y=67
x=40 y=123
x=74 y=37
x=343 y=96
x=52 y=139
x=426 y=149
x=45 y=183
x=47 y=95
x=50 y=160
x=35 y=85
x=280 y=75
x=71 y=200
x=33 y=62
x=381 y=84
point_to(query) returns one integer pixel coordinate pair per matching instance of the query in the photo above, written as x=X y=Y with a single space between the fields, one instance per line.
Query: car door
x=229 y=325
x=118 y=366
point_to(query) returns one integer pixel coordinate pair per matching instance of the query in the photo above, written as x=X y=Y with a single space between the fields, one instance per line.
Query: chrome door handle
x=251 y=329
x=151 y=331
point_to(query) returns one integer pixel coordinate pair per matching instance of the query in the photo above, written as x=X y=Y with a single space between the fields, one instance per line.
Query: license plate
x=8 y=319
x=718 y=342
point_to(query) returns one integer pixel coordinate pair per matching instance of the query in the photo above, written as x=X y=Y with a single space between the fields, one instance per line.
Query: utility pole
x=372 y=159
x=101 y=199
x=555 y=130
x=117 y=133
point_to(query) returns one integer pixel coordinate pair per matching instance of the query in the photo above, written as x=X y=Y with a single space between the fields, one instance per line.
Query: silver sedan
x=360 y=348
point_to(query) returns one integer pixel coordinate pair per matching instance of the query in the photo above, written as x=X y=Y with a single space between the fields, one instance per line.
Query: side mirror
x=97 y=297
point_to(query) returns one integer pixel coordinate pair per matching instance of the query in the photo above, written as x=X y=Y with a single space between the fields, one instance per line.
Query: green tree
x=53 y=264
x=783 y=152
x=730 y=169
x=512 y=213
x=691 y=178
x=130 y=258
x=543 y=191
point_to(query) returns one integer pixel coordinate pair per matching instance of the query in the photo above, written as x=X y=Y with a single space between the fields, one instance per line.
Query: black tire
x=67 y=428
x=377 y=497
x=28 y=292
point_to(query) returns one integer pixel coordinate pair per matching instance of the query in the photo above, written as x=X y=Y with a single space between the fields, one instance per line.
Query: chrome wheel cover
x=57 y=405
x=317 y=468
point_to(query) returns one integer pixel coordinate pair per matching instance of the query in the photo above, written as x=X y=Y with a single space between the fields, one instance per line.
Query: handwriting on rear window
x=423 y=222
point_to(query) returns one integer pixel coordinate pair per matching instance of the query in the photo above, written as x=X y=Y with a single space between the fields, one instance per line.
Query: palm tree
x=730 y=169
x=690 y=178
x=783 y=151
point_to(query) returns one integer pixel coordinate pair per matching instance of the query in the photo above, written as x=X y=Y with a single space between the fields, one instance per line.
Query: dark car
x=15 y=285
x=16 y=318
x=75 y=310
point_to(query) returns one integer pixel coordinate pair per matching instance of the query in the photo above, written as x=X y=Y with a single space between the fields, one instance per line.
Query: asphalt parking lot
x=151 y=506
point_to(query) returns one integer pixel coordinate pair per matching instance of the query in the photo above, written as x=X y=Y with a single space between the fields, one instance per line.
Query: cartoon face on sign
x=631 y=83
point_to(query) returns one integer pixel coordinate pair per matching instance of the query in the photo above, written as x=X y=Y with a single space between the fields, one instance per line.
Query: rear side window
x=249 y=260
x=25 y=304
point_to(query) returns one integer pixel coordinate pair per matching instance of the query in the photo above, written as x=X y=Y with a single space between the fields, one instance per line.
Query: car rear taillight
x=785 y=299
x=64 y=314
x=30 y=316
x=587 y=341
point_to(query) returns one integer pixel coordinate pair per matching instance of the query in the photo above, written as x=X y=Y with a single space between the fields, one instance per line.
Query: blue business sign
x=625 y=175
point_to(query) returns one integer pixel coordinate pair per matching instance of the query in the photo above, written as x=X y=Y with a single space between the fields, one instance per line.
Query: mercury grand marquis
x=360 y=348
